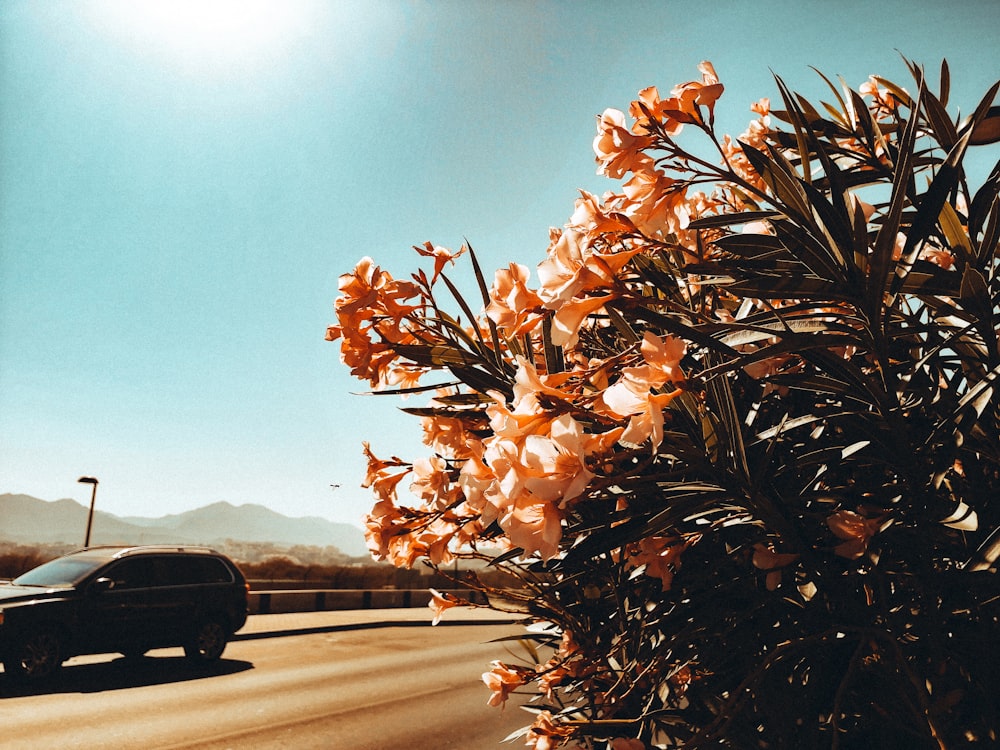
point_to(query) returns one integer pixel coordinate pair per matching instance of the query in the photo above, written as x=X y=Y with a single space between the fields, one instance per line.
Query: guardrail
x=319 y=600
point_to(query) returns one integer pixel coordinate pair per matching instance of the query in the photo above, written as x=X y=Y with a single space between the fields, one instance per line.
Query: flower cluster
x=733 y=400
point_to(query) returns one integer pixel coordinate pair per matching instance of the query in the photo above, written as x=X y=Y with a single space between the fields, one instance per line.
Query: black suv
x=120 y=599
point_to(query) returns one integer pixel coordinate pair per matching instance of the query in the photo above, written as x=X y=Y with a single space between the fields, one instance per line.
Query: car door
x=188 y=589
x=174 y=597
x=115 y=613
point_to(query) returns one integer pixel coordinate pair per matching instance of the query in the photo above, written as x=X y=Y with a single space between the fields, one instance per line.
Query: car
x=124 y=600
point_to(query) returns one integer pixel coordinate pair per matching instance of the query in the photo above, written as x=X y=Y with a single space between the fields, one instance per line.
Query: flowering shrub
x=739 y=447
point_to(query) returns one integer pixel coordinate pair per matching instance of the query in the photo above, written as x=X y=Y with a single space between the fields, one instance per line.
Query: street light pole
x=93 y=496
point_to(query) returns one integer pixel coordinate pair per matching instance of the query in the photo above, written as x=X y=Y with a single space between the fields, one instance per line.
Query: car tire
x=37 y=656
x=207 y=642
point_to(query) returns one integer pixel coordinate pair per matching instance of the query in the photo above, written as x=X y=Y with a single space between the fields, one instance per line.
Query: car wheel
x=35 y=657
x=207 y=643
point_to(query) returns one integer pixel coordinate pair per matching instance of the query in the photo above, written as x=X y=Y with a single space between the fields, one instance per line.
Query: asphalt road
x=299 y=684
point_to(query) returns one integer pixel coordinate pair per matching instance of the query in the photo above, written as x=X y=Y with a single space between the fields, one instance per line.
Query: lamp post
x=93 y=496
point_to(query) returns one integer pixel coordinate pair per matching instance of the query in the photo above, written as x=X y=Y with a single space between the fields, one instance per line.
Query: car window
x=179 y=570
x=64 y=571
x=131 y=573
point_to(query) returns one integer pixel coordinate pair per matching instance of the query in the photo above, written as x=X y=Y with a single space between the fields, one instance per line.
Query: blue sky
x=181 y=184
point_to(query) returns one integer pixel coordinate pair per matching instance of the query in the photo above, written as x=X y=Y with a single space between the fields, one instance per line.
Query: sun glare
x=215 y=33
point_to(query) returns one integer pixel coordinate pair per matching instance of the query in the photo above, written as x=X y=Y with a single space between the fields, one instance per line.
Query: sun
x=206 y=34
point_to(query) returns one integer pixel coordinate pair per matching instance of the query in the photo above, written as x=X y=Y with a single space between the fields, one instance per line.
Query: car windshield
x=63 y=571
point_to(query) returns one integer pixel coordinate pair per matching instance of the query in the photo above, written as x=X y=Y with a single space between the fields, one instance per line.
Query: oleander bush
x=738 y=447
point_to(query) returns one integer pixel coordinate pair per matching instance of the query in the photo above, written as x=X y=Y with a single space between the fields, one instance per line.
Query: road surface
x=408 y=686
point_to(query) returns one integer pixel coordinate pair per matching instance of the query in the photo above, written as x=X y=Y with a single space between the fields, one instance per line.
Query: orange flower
x=939 y=256
x=572 y=269
x=883 y=103
x=649 y=108
x=371 y=311
x=448 y=436
x=564 y=272
x=480 y=487
x=528 y=383
x=632 y=395
x=441 y=256
x=378 y=476
x=648 y=424
x=618 y=150
x=655 y=203
x=534 y=525
x=439 y=603
x=594 y=219
x=513 y=306
x=765 y=558
x=502 y=681
x=661 y=556
x=431 y=481
x=625 y=743
x=569 y=318
x=855 y=529
x=546 y=733
x=762 y=107
x=691 y=96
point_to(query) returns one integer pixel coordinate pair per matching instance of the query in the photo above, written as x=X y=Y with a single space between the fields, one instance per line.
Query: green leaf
x=885 y=241
x=785 y=187
x=799 y=125
x=929 y=210
x=944 y=129
x=733 y=219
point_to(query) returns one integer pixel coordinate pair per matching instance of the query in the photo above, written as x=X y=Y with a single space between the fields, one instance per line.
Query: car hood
x=10 y=593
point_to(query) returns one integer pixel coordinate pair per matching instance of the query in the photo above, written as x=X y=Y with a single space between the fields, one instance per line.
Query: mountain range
x=28 y=520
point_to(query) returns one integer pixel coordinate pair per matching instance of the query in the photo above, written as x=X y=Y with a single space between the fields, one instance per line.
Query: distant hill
x=28 y=520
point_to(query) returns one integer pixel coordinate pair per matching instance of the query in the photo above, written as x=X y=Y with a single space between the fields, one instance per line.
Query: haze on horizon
x=183 y=181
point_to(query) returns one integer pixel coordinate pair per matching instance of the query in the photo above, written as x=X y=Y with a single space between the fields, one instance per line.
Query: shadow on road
x=121 y=674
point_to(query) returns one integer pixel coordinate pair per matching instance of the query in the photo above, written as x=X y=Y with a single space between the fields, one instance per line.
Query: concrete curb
x=331 y=621
x=361 y=626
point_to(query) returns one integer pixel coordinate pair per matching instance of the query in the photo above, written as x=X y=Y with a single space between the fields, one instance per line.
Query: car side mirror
x=101 y=585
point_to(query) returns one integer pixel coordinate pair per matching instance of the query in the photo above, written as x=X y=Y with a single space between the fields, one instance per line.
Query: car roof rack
x=168 y=548
x=126 y=549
